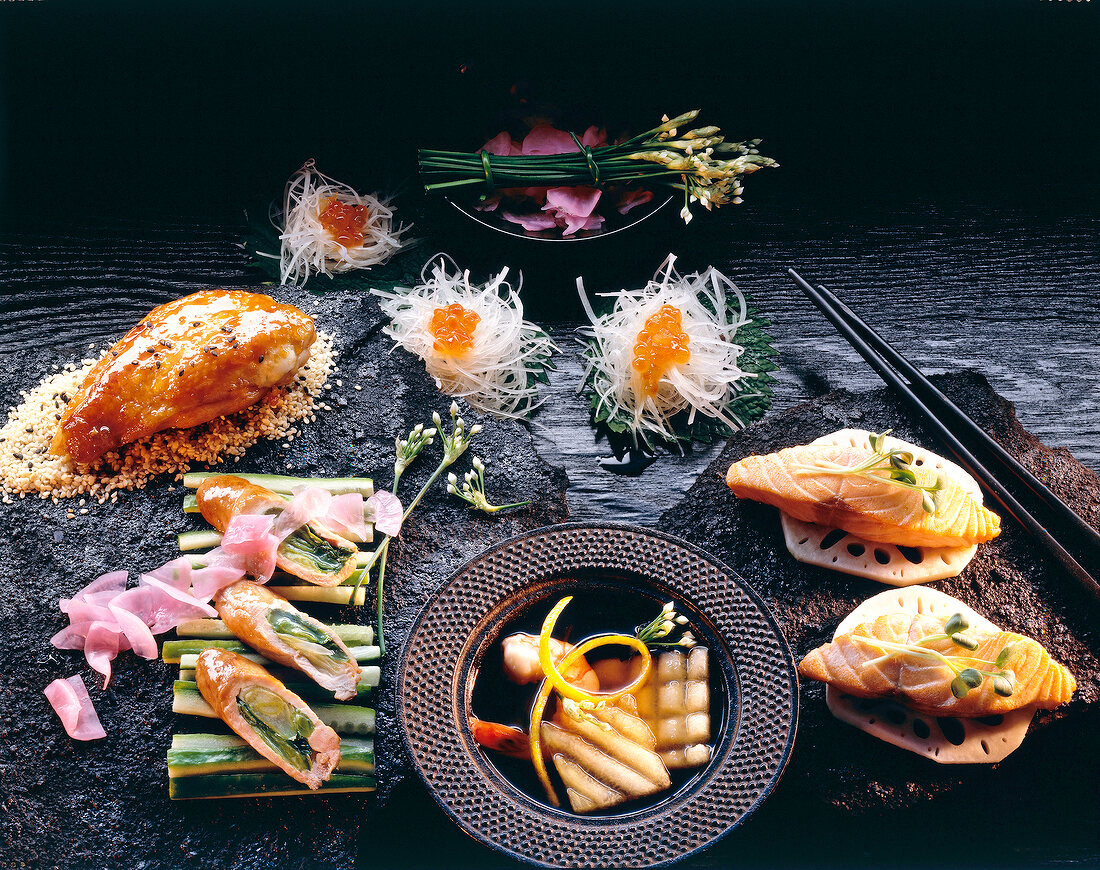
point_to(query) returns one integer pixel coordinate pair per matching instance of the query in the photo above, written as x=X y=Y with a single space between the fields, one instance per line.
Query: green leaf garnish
x=1005 y=654
x=966 y=675
x=886 y=466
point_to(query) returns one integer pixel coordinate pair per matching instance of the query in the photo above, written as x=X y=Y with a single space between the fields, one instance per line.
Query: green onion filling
x=282 y=727
x=307 y=548
x=305 y=637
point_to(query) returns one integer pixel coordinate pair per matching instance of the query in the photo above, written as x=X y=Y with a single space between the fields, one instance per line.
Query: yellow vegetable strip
x=555 y=680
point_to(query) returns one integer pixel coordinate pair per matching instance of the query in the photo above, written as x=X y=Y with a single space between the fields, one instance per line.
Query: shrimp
x=521 y=662
x=503 y=738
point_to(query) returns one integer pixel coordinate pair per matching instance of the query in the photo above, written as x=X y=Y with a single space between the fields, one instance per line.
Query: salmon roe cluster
x=344 y=222
x=661 y=344
x=452 y=327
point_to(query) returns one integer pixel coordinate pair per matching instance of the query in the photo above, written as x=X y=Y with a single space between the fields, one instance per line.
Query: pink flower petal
x=632 y=198
x=575 y=201
x=70 y=700
x=502 y=145
x=545 y=139
x=387 y=512
x=533 y=223
x=594 y=137
x=345 y=516
x=489 y=203
x=101 y=646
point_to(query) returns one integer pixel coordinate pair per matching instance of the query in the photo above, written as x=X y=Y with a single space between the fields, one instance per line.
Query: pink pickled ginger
x=73 y=705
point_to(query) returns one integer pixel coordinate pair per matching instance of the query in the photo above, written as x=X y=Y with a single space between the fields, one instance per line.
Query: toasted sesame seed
x=33 y=423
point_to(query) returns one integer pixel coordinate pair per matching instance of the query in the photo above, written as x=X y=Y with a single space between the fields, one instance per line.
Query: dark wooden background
x=938 y=169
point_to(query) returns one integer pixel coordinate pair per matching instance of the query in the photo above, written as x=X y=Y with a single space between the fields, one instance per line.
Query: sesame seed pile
x=26 y=466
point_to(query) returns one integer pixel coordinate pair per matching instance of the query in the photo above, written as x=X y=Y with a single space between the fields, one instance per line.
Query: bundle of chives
x=690 y=162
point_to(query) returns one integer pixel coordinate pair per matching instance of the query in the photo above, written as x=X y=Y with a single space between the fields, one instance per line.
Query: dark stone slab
x=105 y=803
x=1009 y=581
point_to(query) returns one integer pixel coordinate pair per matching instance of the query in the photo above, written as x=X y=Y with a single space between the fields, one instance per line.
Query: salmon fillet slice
x=871 y=508
x=924 y=683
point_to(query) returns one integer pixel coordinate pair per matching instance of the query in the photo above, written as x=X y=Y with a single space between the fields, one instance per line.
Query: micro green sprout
x=966 y=676
x=658 y=632
x=472 y=490
x=893 y=466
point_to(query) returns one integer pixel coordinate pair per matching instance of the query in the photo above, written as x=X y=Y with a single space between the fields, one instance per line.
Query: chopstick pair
x=921 y=395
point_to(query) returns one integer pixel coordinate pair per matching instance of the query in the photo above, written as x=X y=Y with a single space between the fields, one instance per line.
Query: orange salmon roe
x=453 y=328
x=662 y=343
x=343 y=222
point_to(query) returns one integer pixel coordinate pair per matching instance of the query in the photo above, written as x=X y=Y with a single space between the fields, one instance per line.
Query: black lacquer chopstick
x=961 y=453
x=1088 y=536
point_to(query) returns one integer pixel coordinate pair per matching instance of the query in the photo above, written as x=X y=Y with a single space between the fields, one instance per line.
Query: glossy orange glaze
x=453 y=329
x=187 y=362
x=343 y=222
x=224 y=497
x=661 y=344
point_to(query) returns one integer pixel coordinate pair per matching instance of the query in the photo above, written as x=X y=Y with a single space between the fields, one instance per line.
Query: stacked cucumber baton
x=222 y=765
x=208 y=765
x=196 y=545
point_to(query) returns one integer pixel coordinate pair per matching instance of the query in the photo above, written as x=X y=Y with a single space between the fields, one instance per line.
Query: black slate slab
x=1008 y=581
x=105 y=803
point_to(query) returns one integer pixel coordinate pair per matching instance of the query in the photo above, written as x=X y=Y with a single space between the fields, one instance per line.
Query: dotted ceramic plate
x=465 y=619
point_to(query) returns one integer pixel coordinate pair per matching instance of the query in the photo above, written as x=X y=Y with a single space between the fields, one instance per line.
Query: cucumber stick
x=345 y=593
x=199 y=560
x=369 y=677
x=352 y=635
x=342 y=718
x=282 y=484
x=322 y=594
x=306 y=690
x=199 y=754
x=277 y=784
x=204 y=539
x=197 y=544
x=173 y=650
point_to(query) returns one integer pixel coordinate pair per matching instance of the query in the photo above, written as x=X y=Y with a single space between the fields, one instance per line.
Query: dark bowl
x=456 y=628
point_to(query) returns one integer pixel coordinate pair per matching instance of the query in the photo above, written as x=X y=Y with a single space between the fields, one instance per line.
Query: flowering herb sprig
x=967 y=676
x=893 y=466
x=694 y=161
x=472 y=490
x=455 y=443
x=659 y=632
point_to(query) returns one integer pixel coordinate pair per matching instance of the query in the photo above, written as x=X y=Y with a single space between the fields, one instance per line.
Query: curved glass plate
x=614 y=223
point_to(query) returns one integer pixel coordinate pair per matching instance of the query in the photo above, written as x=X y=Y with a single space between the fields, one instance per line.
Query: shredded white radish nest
x=707 y=383
x=307 y=247
x=499 y=372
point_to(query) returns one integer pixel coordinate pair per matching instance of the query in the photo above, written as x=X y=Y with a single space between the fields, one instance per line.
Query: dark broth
x=592 y=612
